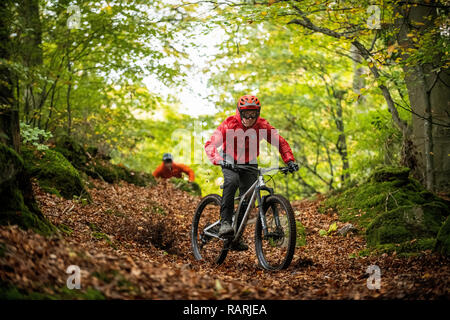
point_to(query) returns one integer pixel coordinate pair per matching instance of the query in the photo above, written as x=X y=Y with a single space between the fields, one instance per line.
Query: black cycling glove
x=226 y=165
x=292 y=166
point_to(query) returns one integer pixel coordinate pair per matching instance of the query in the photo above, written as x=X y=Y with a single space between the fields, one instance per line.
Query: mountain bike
x=275 y=230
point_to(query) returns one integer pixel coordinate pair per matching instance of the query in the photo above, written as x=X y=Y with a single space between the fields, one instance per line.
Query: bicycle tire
x=271 y=200
x=211 y=198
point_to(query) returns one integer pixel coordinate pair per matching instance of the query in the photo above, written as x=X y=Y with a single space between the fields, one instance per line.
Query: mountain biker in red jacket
x=168 y=169
x=239 y=137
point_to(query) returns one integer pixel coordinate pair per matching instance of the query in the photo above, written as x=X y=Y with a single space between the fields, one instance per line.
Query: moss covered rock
x=190 y=187
x=391 y=208
x=365 y=201
x=54 y=172
x=443 y=238
x=405 y=223
x=390 y=174
x=97 y=165
x=72 y=151
x=16 y=197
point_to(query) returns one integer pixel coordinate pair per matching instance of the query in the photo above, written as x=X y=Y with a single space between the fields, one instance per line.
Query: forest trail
x=117 y=243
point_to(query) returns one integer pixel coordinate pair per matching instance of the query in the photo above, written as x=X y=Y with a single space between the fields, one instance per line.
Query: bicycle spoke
x=277 y=246
x=204 y=244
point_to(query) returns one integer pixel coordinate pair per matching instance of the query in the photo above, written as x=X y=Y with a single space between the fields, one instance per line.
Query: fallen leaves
x=142 y=251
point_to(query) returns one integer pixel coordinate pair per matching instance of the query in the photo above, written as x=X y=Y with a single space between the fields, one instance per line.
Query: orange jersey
x=177 y=168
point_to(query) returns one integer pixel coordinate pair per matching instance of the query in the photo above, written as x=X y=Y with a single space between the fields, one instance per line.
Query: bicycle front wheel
x=276 y=249
x=204 y=225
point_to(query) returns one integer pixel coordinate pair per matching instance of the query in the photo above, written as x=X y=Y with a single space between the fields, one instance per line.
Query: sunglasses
x=249 y=115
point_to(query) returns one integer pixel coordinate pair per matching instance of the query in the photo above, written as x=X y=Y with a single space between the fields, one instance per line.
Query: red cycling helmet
x=248 y=102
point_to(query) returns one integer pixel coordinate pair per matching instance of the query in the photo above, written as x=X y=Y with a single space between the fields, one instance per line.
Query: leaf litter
x=133 y=242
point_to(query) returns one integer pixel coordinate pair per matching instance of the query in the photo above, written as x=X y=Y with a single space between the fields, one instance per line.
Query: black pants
x=242 y=179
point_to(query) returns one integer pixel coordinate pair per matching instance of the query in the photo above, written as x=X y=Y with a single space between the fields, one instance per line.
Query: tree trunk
x=341 y=144
x=31 y=52
x=429 y=97
x=9 y=114
x=358 y=80
x=18 y=205
x=69 y=89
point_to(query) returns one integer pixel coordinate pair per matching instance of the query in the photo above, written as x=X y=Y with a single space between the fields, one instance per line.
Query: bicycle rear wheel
x=206 y=247
x=276 y=250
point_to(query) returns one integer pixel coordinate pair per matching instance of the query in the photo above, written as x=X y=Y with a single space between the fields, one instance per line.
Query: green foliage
x=34 y=136
x=331 y=229
x=314 y=88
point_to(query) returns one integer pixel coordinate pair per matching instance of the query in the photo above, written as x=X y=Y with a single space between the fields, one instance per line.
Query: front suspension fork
x=262 y=214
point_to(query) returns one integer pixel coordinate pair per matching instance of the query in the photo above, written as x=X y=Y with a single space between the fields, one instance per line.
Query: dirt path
x=133 y=242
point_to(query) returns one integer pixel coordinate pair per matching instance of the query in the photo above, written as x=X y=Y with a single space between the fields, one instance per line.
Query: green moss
x=14 y=184
x=93 y=226
x=362 y=203
x=390 y=173
x=108 y=276
x=65 y=229
x=112 y=173
x=54 y=172
x=443 y=238
x=105 y=276
x=390 y=207
x=97 y=234
x=72 y=151
x=154 y=207
x=116 y=213
x=405 y=223
x=89 y=161
x=12 y=292
x=406 y=248
x=190 y=187
x=49 y=189
x=104 y=170
x=301 y=235
x=138 y=178
x=100 y=236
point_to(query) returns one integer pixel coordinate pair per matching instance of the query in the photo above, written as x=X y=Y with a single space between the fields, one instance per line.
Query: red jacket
x=177 y=168
x=237 y=133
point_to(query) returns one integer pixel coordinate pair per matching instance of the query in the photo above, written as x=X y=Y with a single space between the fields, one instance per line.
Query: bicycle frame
x=255 y=191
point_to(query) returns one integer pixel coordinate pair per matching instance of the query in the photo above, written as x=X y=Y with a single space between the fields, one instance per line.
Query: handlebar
x=263 y=171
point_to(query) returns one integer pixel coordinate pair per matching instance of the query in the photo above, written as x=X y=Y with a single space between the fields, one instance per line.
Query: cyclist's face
x=249 y=117
x=168 y=164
